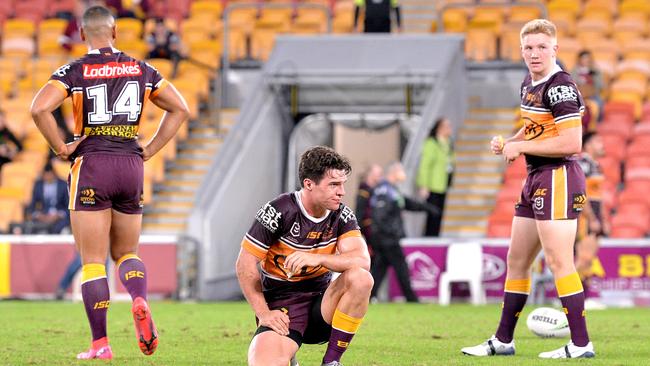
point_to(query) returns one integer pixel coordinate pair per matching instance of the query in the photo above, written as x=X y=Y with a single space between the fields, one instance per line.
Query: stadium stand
x=615 y=31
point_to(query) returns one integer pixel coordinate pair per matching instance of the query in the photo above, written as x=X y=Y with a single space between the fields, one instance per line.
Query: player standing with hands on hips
x=552 y=197
x=108 y=90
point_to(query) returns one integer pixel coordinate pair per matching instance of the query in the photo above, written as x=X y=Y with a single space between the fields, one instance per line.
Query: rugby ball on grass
x=548 y=323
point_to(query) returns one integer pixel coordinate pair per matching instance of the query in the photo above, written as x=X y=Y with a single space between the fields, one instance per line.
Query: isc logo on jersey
x=111 y=70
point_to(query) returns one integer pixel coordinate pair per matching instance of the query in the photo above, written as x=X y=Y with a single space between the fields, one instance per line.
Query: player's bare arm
x=249 y=281
x=46 y=101
x=177 y=112
x=353 y=253
x=567 y=143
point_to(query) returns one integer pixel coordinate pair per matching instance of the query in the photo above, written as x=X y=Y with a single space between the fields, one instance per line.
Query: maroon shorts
x=555 y=192
x=100 y=181
x=306 y=323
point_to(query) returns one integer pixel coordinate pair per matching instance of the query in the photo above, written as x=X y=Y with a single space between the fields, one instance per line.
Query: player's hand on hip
x=594 y=226
x=69 y=148
x=297 y=260
x=146 y=153
x=276 y=320
x=497 y=144
x=511 y=151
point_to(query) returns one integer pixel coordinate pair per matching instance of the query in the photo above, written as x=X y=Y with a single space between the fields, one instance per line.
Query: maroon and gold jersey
x=283 y=226
x=109 y=90
x=548 y=106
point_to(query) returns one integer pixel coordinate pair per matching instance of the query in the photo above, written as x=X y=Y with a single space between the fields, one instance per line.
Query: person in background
x=164 y=43
x=371 y=177
x=590 y=80
x=387 y=203
x=435 y=172
x=594 y=221
x=377 y=15
x=9 y=144
x=48 y=210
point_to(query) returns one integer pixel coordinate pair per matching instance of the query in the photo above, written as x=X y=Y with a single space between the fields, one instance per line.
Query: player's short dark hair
x=95 y=12
x=587 y=136
x=316 y=161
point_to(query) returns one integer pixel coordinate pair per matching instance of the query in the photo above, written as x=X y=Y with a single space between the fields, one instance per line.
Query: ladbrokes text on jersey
x=111 y=70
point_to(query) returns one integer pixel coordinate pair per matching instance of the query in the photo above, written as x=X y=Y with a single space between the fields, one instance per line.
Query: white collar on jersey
x=304 y=211
x=96 y=51
x=555 y=70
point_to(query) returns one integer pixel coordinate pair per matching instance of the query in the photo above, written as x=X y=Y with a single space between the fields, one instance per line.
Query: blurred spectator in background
x=593 y=223
x=590 y=80
x=128 y=8
x=162 y=42
x=377 y=15
x=387 y=229
x=48 y=211
x=71 y=36
x=371 y=177
x=9 y=144
x=73 y=267
x=435 y=172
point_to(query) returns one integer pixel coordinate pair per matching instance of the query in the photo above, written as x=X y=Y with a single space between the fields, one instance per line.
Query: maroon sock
x=574 y=308
x=133 y=275
x=96 y=301
x=513 y=304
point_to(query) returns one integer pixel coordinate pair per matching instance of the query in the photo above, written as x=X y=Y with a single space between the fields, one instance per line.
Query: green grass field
x=52 y=333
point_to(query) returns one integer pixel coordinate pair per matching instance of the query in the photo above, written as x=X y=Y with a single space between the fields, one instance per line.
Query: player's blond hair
x=537 y=26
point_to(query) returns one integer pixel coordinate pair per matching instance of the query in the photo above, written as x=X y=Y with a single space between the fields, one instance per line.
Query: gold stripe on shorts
x=74 y=182
x=559 y=192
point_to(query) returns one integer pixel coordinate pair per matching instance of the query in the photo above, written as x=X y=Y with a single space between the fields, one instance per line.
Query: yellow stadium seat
x=242 y=18
x=564 y=21
x=631 y=97
x=455 y=20
x=637 y=86
x=342 y=23
x=488 y=17
x=12 y=212
x=262 y=42
x=213 y=48
x=278 y=20
x=18 y=28
x=597 y=14
x=237 y=44
x=20 y=182
x=524 y=13
x=568 y=6
x=135 y=48
x=128 y=29
x=165 y=67
x=568 y=52
x=51 y=29
x=199 y=7
x=35 y=158
x=510 y=46
x=50 y=49
x=609 y=5
x=627 y=7
x=198 y=26
x=480 y=44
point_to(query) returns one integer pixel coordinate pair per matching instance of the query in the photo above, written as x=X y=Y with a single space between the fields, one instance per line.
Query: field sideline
x=52 y=333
